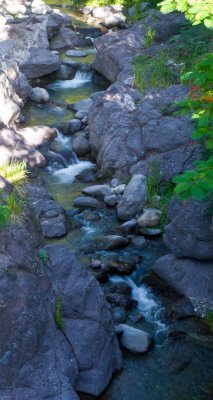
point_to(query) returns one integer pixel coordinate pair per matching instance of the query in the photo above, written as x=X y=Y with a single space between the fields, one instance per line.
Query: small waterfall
x=65 y=143
x=67 y=175
x=91 y=39
x=80 y=79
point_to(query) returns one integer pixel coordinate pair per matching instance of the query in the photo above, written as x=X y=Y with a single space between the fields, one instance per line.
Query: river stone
x=64 y=38
x=103 y=12
x=111 y=242
x=191 y=278
x=54 y=23
x=139 y=242
x=39 y=7
x=120 y=189
x=190 y=232
x=83 y=105
x=100 y=275
x=111 y=200
x=86 y=10
x=115 y=182
x=120 y=300
x=97 y=190
x=149 y=218
x=134 y=340
x=73 y=126
x=39 y=95
x=150 y=231
x=39 y=63
x=181 y=308
x=87 y=202
x=119 y=288
x=117 y=19
x=129 y=226
x=134 y=198
x=76 y=53
x=81 y=145
x=65 y=72
x=71 y=63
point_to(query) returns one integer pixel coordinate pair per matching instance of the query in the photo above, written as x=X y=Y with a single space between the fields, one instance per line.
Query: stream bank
x=180 y=357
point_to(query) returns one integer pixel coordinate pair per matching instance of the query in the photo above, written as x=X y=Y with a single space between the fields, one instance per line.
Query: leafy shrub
x=4 y=215
x=14 y=172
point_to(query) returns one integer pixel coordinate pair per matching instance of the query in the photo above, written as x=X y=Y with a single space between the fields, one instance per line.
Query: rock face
x=129 y=132
x=47 y=362
x=190 y=232
x=133 y=199
x=191 y=278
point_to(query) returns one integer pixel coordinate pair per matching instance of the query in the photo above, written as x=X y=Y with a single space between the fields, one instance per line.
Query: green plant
x=14 y=172
x=149 y=37
x=197 y=11
x=58 y=314
x=153 y=181
x=209 y=320
x=4 y=215
x=198 y=183
x=43 y=256
x=15 y=203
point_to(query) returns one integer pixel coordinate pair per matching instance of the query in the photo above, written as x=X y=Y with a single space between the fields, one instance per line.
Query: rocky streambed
x=89 y=196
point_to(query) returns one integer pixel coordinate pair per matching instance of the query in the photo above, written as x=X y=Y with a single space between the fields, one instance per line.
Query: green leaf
x=197 y=192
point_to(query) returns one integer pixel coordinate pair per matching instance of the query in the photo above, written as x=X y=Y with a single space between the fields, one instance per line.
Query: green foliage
x=43 y=256
x=14 y=172
x=153 y=181
x=58 y=314
x=209 y=320
x=4 y=215
x=197 y=11
x=150 y=37
x=198 y=183
x=11 y=208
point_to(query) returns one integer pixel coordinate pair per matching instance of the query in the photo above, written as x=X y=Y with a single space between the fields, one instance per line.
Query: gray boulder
x=129 y=226
x=74 y=126
x=40 y=62
x=83 y=105
x=64 y=38
x=111 y=242
x=111 y=200
x=39 y=7
x=188 y=277
x=65 y=72
x=87 y=202
x=39 y=95
x=81 y=144
x=76 y=53
x=117 y=19
x=133 y=199
x=54 y=23
x=149 y=218
x=190 y=232
x=97 y=190
x=134 y=340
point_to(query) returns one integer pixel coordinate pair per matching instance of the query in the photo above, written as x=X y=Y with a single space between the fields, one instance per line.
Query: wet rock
x=95 y=264
x=83 y=105
x=120 y=300
x=134 y=198
x=111 y=242
x=120 y=189
x=119 y=288
x=191 y=278
x=97 y=190
x=181 y=309
x=65 y=72
x=111 y=200
x=81 y=114
x=39 y=95
x=139 y=242
x=39 y=63
x=149 y=218
x=87 y=202
x=119 y=315
x=135 y=317
x=73 y=126
x=87 y=175
x=119 y=267
x=81 y=144
x=129 y=226
x=134 y=340
x=71 y=63
x=176 y=335
x=115 y=182
x=76 y=53
x=55 y=226
x=190 y=232
x=100 y=275
x=64 y=38
x=150 y=232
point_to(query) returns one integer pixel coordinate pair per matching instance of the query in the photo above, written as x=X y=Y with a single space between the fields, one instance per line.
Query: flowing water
x=179 y=366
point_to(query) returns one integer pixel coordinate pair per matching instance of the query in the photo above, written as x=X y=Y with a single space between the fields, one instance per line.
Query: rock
x=117 y=19
x=54 y=23
x=100 y=275
x=76 y=53
x=191 y=278
x=81 y=114
x=102 y=12
x=39 y=63
x=65 y=72
x=190 y=233
x=119 y=315
x=119 y=288
x=139 y=242
x=97 y=190
x=73 y=126
x=120 y=189
x=111 y=200
x=134 y=198
x=134 y=340
x=39 y=7
x=51 y=214
x=64 y=38
x=81 y=145
x=36 y=136
x=71 y=63
x=119 y=268
x=181 y=309
x=129 y=226
x=149 y=218
x=39 y=95
x=83 y=105
x=120 y=300
x=86 y=10
x=115 y=182
x=150 y=231
x=87 y=202
x=95 y=366
x=111 y=242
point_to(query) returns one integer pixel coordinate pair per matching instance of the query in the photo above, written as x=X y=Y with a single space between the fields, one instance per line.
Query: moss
x=58 y=314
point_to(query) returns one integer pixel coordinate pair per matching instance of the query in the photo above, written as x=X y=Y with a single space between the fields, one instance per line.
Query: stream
x=178 y=366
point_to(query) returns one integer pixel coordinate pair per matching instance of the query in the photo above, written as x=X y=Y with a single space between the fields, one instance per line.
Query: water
x=175 y=368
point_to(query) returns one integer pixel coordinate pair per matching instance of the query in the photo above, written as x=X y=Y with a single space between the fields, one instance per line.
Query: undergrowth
x=58 y=314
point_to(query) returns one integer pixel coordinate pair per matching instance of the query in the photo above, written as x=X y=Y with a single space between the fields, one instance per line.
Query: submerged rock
x=111 y=242
x=87 y=202
x=134 y=340
x=76 y=53
x=97 y=190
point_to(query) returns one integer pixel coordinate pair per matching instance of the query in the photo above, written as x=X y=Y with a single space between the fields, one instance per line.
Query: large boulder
x=191 y=278
x=190 y=232
x=134 y=340
x=133 y=199
x=128 y=133
x=39 y=95
x=40 y=62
